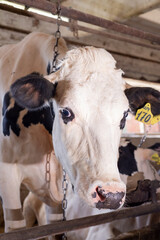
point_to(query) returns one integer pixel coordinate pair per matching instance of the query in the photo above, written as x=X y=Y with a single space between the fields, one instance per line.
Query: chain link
x=143 y=139
x=64 y=188
x=64 y=201
x=48 y=175
x=57 y=36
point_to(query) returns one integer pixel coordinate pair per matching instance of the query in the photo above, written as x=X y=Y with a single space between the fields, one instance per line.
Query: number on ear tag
x=145 y=115
x=155 y=158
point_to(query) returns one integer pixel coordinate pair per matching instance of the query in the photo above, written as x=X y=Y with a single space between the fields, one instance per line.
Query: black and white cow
x=80 y=108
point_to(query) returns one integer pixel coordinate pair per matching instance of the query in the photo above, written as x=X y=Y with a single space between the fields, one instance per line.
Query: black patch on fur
x=42 y=116
x=48 y=68
x=52 y=110
x=6 y=102
x=126 y=162
x=139 y=96
x=10 y=116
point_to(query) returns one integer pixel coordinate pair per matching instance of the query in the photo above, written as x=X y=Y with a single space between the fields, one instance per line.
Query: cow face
x=89 y=105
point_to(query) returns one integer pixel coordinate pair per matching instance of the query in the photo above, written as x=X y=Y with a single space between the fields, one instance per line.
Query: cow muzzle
x=109 y=196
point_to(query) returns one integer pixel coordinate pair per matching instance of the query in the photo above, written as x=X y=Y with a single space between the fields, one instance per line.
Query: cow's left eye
x=67 y=115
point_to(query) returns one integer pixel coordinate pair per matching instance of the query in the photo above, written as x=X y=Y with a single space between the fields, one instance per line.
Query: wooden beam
x=120 y=47
x=115 y=10
x=144 y=24
x=112 y=42
x=65 y=226
x=77 y=15
x=138 y=68
x=108 y=34
x=136 y=61
x=9 y=36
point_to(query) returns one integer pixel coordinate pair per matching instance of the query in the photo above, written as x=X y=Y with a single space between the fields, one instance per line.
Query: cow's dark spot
x=48 y=68
x=126 y=162
x=6 y=102
x=42 y=116
x=10 y=116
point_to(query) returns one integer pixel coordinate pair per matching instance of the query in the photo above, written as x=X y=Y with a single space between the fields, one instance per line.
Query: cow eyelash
x=67 y=115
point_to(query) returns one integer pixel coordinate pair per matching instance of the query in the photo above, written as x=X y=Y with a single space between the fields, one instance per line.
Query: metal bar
x=77 y=15
x=65 y=226
x=78 y=27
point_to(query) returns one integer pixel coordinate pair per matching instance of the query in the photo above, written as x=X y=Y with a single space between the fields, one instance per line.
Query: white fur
x=90 y=142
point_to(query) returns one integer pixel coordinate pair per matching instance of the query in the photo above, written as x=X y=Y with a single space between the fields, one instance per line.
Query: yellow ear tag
x=155 y=158
x=145 y=115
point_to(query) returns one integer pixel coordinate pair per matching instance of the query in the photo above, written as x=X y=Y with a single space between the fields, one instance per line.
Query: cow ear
x=139 y=96
x=32 y=91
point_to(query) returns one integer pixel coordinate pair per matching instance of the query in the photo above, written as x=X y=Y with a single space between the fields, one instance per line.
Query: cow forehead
x=81 y=62
x=91 y=80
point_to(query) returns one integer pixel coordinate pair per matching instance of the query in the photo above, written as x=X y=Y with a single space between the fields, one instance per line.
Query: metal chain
x=64 y=201
x=48 y=175
x=54 y=69
x=64 y=188
x=57 y=36
x=143 y=139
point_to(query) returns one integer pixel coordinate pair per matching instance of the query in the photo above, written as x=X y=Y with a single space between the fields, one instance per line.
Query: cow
x=134 y=164
x=81 y=108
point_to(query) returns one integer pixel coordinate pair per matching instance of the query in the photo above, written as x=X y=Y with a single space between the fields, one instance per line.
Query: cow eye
x=67 y=115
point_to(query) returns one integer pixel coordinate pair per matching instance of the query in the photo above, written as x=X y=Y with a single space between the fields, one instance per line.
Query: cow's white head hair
x=91 y=86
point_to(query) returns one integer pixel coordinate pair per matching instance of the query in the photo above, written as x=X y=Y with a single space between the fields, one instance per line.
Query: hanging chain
x=143 y=139
x=54 y=69
x=57 y=36
x=48 y=175
x=64 y=201
x=64 y=188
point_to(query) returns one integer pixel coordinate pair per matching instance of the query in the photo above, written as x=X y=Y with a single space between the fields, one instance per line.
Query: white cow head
x=89 y=103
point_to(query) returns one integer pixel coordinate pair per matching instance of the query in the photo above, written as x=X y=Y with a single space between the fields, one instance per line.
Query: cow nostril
x=101 y=194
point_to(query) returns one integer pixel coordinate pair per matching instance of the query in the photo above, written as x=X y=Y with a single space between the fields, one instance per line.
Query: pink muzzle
x=108 y=196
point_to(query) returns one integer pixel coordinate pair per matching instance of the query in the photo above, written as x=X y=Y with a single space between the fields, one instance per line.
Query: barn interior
x=129 y=30
x=138 y=57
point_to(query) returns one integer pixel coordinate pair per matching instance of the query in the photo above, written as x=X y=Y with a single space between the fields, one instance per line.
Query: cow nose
x=106 y=198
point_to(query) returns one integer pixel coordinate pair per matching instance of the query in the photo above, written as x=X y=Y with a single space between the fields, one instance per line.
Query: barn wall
x=138 y=58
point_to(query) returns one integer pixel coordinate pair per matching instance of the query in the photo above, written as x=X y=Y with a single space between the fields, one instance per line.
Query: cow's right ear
x=139 y=96
x=32 y=91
